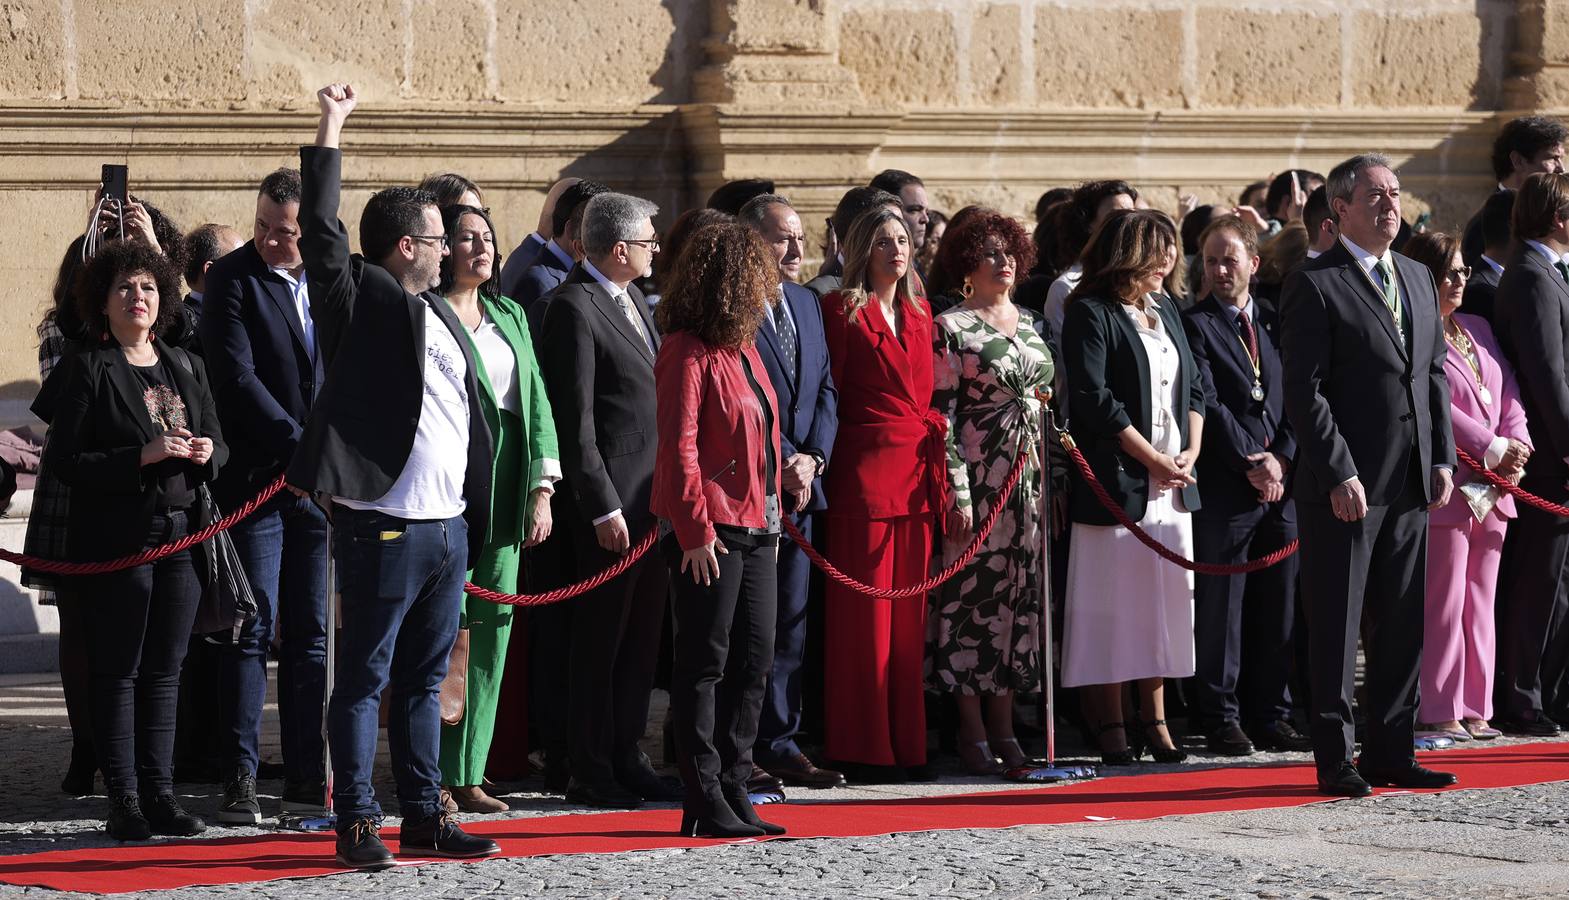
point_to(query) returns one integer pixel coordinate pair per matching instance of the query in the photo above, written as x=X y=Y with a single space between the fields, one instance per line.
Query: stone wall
x=989 y=101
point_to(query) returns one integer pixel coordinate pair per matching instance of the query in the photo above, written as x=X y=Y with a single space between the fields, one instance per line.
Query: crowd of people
x=444 y=411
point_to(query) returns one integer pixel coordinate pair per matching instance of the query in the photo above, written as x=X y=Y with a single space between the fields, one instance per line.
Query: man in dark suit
x=854 y=202
x=265 y=371
x=596 y=352
x=1242 y=623
x=1524 y=147
x=1482 y=287
x=522 y=259
x=559 y=254
x=1363 y=376
x=795 y=352
x=398 y=444
x=1533 y=330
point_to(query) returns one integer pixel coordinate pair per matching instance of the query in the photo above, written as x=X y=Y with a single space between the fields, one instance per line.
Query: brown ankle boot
x=472 y=798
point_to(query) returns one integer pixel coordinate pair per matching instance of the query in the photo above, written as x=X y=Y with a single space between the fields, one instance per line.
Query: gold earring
x=968 y=290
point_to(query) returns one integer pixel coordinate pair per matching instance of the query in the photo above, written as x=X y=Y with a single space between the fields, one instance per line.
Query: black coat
x=264 y=374
x=372 y=334
x=1108 y=390
x=98 y=427
x=1358 y=399
x=1235 y=425
x=600 y=377
x=1481 y=291
x=1532 y=326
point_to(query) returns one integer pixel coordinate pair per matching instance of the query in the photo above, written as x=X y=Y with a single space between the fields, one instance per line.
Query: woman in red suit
x=884 y=490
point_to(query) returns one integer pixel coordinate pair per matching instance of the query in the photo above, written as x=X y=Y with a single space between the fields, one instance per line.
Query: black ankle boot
x=741 y=805
x=80 y=777
x=166 y=816
x=126 y=822
x=713 y=818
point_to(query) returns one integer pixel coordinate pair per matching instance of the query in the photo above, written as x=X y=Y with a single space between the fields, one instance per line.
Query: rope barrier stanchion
x=982 y=531
x=1509 y=487
x=571 y=590
x=1161 y=550
x=152 y=554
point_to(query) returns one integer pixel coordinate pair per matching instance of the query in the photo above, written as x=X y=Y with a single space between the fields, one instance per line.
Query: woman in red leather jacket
x=884 y=489
x=717 y=482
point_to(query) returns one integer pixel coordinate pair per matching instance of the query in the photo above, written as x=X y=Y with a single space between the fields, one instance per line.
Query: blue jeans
x=402 y=589
x=284 y=550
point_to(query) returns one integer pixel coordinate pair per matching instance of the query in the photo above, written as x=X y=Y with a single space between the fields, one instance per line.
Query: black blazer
x=600 y=377
x=1235 y=425
x=361 y=430
x=808 y=401
x=1481 y=291
x=264 y=375
x=1108 y=390
x=1533 y=329
x=1359 y=400
x=98 y=427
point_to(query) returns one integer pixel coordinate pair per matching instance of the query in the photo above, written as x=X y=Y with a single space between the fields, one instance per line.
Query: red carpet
x=177 y=864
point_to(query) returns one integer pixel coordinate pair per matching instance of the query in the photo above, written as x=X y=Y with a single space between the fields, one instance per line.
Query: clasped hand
x=177 y=443
x=1172 y=471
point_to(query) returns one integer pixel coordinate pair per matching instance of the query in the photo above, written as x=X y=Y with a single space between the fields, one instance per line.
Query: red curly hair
x=964 y=244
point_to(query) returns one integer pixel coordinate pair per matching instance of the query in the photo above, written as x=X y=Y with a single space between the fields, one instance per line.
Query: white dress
x=1129 y=613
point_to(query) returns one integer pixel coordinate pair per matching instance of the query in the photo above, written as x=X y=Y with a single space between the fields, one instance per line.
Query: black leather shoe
x=1533 y=724
x=166 y=816
x=1229 y=740
x=1413 y=776
x=650 y=785
x=360 y=847
x=1345 y=782
x=713 y=818
x=557 y=776
x=126 y=822
x=602 y=796
x=304 y=798
x=438 y=835
x=1280 y=737
x=239 y=801
x=762 y=782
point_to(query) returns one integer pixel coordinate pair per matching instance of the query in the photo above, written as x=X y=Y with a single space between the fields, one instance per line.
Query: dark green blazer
x=1108 y=390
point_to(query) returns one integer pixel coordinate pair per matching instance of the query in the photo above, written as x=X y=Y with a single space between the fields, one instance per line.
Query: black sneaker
x=239 y=801
x=126 y=822
x=304 y=798
x=359 y=847
x=438 y=835
x=166 y=816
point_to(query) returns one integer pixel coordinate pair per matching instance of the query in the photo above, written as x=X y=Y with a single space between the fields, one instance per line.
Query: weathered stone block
x=1431 y=59
x=902 y=57
x=33 y=64
x=1108 y=57
x=450 y=53
x=295 y=49
x=1268 y=59
x=140 y=50
x=996 y=48
x=607 y=52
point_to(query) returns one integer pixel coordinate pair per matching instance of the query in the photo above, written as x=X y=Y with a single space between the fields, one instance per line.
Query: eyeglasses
x=441 y=239
x=1455 y=276
x=651 y=243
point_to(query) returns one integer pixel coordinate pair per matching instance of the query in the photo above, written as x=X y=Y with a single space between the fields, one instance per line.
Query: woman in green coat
x=525 y=470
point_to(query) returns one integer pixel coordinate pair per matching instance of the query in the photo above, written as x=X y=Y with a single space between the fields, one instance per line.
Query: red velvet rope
x=571 y=590
x=1166 y=553
x=152 y=554
x=1509 y=487
x=983 y=531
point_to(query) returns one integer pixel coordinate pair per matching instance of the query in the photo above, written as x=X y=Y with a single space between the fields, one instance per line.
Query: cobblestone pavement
x=1503 y=843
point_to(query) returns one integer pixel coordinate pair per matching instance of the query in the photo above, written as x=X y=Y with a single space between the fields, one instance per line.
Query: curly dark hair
x=721 y=287
x=115 y=260
x=964 y=244
x=676 y=236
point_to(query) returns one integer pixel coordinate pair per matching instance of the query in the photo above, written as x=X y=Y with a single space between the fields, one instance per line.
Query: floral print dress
x=983 y=630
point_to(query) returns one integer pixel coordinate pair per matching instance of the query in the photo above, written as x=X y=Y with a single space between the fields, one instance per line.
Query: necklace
x=1459 y=339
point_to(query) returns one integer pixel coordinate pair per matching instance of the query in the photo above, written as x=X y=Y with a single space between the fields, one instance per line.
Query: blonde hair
x=856 y=290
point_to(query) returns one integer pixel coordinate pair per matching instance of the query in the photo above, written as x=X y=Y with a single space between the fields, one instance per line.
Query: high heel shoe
x=743 y=809
x=715 y=819
x=1123 y=757
x=80 y=776
x=978 y=758
x=1013 y=755
x=1157 y=752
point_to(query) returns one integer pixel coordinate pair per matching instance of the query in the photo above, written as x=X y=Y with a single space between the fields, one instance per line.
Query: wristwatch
x=822 y=462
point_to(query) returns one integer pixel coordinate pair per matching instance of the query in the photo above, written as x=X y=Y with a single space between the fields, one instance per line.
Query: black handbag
x=227 y=600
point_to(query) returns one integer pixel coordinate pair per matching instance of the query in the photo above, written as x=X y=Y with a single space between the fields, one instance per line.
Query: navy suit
x=544 y=276
x=265 y=376
x=519 y=262
x=1232 y=525
x=808 y=421
x=1480 y=290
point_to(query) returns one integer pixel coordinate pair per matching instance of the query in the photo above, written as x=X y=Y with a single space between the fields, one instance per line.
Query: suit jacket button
x=1406 y=417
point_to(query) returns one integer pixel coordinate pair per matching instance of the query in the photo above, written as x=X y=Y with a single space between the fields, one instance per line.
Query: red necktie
x=1249 y=337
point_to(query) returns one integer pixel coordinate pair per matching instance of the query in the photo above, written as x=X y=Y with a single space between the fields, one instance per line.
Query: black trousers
x=137 y=633
x=1377 y=568
x=1532 y=607
x=615 y=632
x=1243 y=623
x=724 y=649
